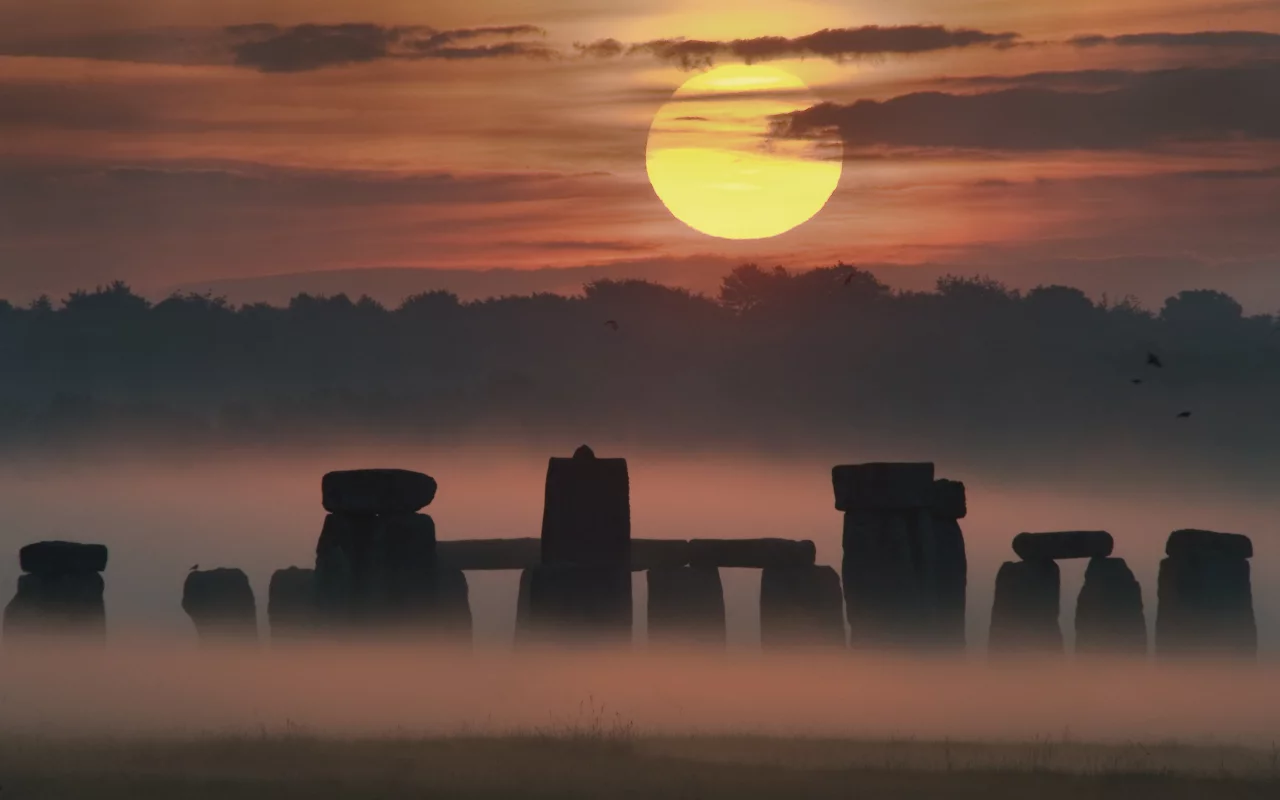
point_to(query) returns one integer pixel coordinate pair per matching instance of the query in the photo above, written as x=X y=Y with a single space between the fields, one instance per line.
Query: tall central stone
x=582 y=589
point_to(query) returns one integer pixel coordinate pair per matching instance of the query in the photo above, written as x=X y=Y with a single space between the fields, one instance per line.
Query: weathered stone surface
x=948 y=499
x=292 y=603
x=905 y=577
x=489 y=554
x=686 y=606
x=570 y=604
x=220 y=603
x=1024 y=615
x=1191 y=542
x=800 y=607
x=883 y=486
x=54 y=558
x=1109 y=615
x=586 y=518
x=1205 y=607
x=649 y=554
x=377 y=491
x=376 y=570
x=751 y=553
x=67 y=603
x=1063 y=544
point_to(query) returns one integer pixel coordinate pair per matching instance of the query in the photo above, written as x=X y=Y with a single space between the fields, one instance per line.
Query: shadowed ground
x=598 y=759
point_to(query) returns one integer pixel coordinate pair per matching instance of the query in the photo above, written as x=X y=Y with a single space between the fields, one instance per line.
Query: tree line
x=822 y=356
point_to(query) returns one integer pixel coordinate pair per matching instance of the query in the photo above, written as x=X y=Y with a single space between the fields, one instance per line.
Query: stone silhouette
x=60 y=592
x=220 y=602
x=1206 y=596
x=751 y=553
x=1024 y=614
x=512 y=554
x=291 y=603
x=1109 y=613
x=1063 y=544
x=586 y=519
x=905 y=567
x=686 y=606
x=573 y=604
x=377 y=491
x=649 y=554
x=800 y=607
x=376 y=565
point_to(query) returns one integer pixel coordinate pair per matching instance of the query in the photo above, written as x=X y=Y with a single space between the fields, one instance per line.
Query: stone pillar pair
x=1109 y=615
x=905 y=569
x=60 y=592
x=1206 y=596
x=375 y=567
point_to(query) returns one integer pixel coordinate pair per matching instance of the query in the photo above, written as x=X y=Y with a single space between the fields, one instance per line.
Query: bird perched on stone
x=612 y=324
x=194 y=567
x=1184 y=415
x=1154 y=360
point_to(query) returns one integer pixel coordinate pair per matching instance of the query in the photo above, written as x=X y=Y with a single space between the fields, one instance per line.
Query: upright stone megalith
x=905 y=569
x=220 y=602
x=686 y=606
x=582 y=588
x=292 y=612
x=1109 y=614
x=60 y=591
x=800 y=608
x=376 y=565
x=1024 y=614
x=1206 y=596
x=586 y=519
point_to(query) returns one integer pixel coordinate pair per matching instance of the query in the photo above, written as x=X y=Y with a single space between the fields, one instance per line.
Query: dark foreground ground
x=605 y=764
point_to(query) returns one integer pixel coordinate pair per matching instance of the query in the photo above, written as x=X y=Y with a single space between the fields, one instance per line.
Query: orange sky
x=144 y=140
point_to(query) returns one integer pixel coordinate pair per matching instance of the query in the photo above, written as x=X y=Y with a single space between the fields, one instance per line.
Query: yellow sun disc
x=714 y=165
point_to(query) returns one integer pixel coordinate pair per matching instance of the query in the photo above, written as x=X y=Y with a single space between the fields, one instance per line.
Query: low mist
x=153 y=688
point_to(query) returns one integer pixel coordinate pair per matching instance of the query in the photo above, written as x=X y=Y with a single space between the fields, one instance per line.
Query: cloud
x=1149 y=109
x=836 y=44
x=309 y=47
x=1244 y=40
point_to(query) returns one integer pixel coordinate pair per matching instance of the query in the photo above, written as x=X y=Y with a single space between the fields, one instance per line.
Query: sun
x=713 y=164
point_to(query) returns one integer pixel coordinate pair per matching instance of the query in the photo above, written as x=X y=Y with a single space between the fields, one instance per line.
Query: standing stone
x=800 y=607
x=451 y=608
x=220 y=603
x=1109 y=615
x=576 y=604
x=586 y=519
x=904 y=567
x=61 y=592
x=686 y=606
x=1024 y=615
x=1206 y=596
x=377 y=571
x=291 y=603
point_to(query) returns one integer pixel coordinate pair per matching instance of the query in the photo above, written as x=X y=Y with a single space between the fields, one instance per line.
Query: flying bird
x=612 y=324
x=1154 y=360
x=1136 y=381
x=1184 y=415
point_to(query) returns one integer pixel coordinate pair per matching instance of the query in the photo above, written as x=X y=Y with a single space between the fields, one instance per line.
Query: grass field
x=611 y=762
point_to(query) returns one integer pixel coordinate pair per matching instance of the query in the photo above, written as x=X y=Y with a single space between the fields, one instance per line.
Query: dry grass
x=597 y=756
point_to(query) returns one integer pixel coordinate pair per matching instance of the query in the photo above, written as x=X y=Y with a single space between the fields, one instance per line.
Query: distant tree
x=1200 y=308
x=115 y=299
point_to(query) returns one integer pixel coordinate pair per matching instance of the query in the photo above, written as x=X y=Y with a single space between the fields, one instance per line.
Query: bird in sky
x=1154 y=360
x=611 y=324
x=1136 y=381
x=1184 y=415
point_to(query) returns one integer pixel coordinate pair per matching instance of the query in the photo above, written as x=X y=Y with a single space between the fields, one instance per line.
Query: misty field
x=612 y=763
